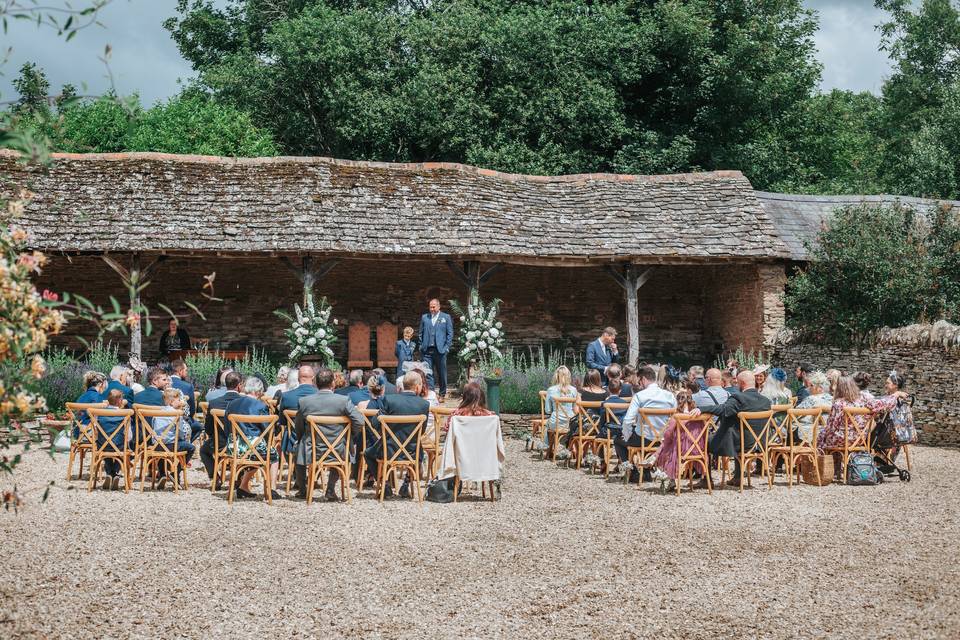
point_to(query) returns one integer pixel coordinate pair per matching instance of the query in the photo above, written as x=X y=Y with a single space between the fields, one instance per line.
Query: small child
x=111 y=427
x=168 y=429
x=404 y=350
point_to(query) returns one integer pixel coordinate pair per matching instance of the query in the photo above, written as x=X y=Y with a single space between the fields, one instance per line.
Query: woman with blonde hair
x=559 y=416
x=820 y=397
x=833 y=376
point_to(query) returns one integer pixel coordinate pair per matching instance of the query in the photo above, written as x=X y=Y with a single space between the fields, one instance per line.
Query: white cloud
x=848 y=45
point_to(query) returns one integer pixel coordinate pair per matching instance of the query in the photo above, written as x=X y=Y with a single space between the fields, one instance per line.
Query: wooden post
x=134 y=279
x=307 y=273
x=630 y=280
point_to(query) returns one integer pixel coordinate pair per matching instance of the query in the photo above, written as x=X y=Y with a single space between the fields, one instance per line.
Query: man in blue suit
x=436 y=336
x=153 y=394
x=179 y=382
x=602 y=352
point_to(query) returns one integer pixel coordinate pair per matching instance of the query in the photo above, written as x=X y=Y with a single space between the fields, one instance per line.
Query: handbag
x=62 y=441
x=440 y=491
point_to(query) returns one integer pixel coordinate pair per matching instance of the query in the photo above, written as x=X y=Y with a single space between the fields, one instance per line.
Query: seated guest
x=322 y=403
x=695 y=374
x=775 y=388
x=407 y=403
x=375 y=392
x=633 y=431
x=620 y=405
x=179 y=382
x=95 y=384
x=430 y=396
x=726 y=440
x=119 y=380
x=559 y=416
x=232 y=381
x=848 y=396
x=667 y=460
x=760 y=373
x=404 y=350
x=111 y=427
x=170 y=430
x=219 y=386
x=175 y=338
x=833 y=375
x=592 y=391
x=714 y=392
x=339 y=381
x=277 y=388
x=388 y=388
x=802 y=371
x=729 y=382
x=355 y=383
x=602 y=352
x=152 y=395
x=250 y=403
x=862 y=378
x=290 y=401
x=817 y=396
x=136 y=375
x=356 y=397
x=629 y=381
x=473 y=402
x=670 y=378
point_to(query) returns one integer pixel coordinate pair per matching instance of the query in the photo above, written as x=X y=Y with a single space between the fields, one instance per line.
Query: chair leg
x=267 y=489
x=456 y=487
x=83 y=453
x=381 y=479
x=70 y=463
x=233 y=478
x=93 y=473
x=216 y=469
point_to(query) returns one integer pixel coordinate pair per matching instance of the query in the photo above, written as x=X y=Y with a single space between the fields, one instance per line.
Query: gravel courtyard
x=563 y=555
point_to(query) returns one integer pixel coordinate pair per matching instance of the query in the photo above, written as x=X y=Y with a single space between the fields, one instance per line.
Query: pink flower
x=50 y=296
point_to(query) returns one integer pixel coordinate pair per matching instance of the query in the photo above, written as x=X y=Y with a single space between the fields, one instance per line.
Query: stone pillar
x=771 y=279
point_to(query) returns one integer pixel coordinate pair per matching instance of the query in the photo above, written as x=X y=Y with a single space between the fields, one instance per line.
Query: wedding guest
x=111 y=427
x=363 y=393
x=404 y=349
x=670 y=378
x=629 y=380
x=375 y=392
x=862 y=378
x=95 y=384
x=339 y=381
x=559 y=416
x=715 y=392
x=354 y=383
x=473 y=402
x=388 y=388
x=152 y=395
x=322 y=403
x=802 y=371
x=833 y=375
x=231 y=381
x=436 y=336
x=620 y=405
x=277 y=389
x=179 y=381
x=633 y=431
x=695 y=374
x=219 y=386
x=591 y=391
x=119 y=380
x=760 y=373
x=174 y=339
x=818 y=395
x=430 y=396
x=726 y=440
x=729 y=381
x=775 y=387
x=250 y=403
x=290 y=401
x=602 y=352
x=170 y=430
x=667 y=460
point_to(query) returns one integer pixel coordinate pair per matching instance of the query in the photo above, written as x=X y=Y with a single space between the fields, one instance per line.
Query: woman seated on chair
x=274 y=390
x=819 y=397
x=774 y=387
x=862 y=378
x=559 y=416
x=95 y=384
x=667 y=460
x=111 y=427
x=250 y=404
x=628 y=381
x=473 y=402
x=377 y=390
x=592 y=391
x=848 y=396
x=170 y=430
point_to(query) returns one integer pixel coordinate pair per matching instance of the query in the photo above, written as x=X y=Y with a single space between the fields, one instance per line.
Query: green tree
x=33 y=90
x=102 y=125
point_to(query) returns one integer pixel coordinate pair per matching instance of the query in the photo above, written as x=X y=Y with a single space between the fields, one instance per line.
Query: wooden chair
x=220 y=459
x=537 y=424
x=154 y=450
x=108 y=449
x=363 y=444
x=203 y=411
x=331 y=458
x=638 y=455
x=400 y=459
x=779 y=440
x=287 y=460
x=860 y=430
x=433 y=446
x=358 y=346
x=760 y=437
x=271 y=404
x=585 y=438
x=387 y=336
x=696 y=450
x=496 y=443
x=796 y=451
x=251 y=458
x=606 y=444
x=568 y=414
x=83 y=443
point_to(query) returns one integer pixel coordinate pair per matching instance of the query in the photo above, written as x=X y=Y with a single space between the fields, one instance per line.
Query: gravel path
x=563 y=555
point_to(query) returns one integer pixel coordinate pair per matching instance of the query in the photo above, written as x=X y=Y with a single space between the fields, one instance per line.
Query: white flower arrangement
x=311 y=330
x=480 y=336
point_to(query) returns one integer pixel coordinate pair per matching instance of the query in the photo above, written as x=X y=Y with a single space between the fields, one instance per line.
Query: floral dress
x=832 y=434
x=805 y=424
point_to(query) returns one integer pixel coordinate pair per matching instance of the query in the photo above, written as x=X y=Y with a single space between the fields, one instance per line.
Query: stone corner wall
x=932 y=371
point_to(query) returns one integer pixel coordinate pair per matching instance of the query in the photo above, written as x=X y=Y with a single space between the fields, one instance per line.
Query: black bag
x=440 y=491
x=862 y=470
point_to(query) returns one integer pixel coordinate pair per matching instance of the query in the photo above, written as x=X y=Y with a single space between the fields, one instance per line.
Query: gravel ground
x=564 y=554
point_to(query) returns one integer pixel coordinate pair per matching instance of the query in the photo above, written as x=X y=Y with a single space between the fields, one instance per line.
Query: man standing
x=602 y=352
x=436 y=336
x=322 y=403
x=726 y=441
x=231 y=382
x=635 y=431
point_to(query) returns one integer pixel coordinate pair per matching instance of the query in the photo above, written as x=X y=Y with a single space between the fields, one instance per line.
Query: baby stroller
x=894 y=430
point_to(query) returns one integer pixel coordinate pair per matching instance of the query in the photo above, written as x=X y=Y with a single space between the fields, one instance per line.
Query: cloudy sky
x=145 y=59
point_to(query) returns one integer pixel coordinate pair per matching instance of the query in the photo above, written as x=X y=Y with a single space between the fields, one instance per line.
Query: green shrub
x=63 y=380
x=526 y=374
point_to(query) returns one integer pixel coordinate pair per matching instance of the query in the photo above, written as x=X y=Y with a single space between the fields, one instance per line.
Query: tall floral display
x=480 y=337
x=311 y=330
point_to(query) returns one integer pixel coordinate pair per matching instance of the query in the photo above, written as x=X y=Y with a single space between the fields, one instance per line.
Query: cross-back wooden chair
x=779 y=439
x=220 y=458
x=639 y=455
x=138 y=432
x=105 y=448
x=287 y=460
x=433 y=446
x=251 y=458
x=760 y=436
x=537 y=424
x=331 y=458
x=858 y=425
x=271 y=404
x=588 y=427
x=83 y=442
x=566 y=410
x=363 y=444
x=154 y=450
x=606 y=444
x=692 y=448
x=400 y=459
x=796 y=451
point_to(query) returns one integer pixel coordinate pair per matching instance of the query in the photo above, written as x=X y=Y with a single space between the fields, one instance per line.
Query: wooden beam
x=490 y=272
x=630 y=280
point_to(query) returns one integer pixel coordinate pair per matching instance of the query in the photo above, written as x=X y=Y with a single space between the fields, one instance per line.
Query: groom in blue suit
x=436 y=336
x=602 y=352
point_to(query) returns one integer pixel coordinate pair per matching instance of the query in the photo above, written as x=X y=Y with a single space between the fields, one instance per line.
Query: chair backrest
x=76 y=411
x=289 y=418
x=151 y=439
x=794 y=416
x=612 y=409
x=271 y=404
x=388 y=436
x=439 y=416
x=218 y=427
x=358 y=345
x=858 y=422
x=566 y=409
x=387 y=333
x=755 y=427
x=239 y=435
x=687 y=434
x=591 y=419
x=778 y=432
x=331 y=455
x=367 y=415
x=482 y=437
x=108 y=446
x=648 y=424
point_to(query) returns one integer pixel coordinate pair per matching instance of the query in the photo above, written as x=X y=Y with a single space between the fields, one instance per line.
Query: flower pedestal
x=315 y=360
x=493 y=394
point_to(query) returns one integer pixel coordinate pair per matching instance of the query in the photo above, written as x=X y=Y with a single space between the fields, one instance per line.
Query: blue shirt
x=127 y=391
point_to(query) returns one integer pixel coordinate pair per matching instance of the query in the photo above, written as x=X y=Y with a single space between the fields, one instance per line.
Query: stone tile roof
x=148 y=201
x=798 y=218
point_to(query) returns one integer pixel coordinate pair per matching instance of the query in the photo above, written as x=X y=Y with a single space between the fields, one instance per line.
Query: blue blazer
x=440 y=336
x=127 y=391
x=90 y=396
x=404 y=352
x=150 y=396
x=186 y=389
x=246 y=406
x=599 y=357
x=291 y=399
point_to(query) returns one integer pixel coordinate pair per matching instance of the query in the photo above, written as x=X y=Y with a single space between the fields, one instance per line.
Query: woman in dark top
x=591 y=391
x=174 y=339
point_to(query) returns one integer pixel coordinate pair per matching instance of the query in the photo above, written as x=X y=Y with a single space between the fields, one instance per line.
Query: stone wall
x=685 y=317
x=931 y=367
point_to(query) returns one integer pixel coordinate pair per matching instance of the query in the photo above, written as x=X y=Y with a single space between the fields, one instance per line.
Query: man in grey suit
x=322 y=403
